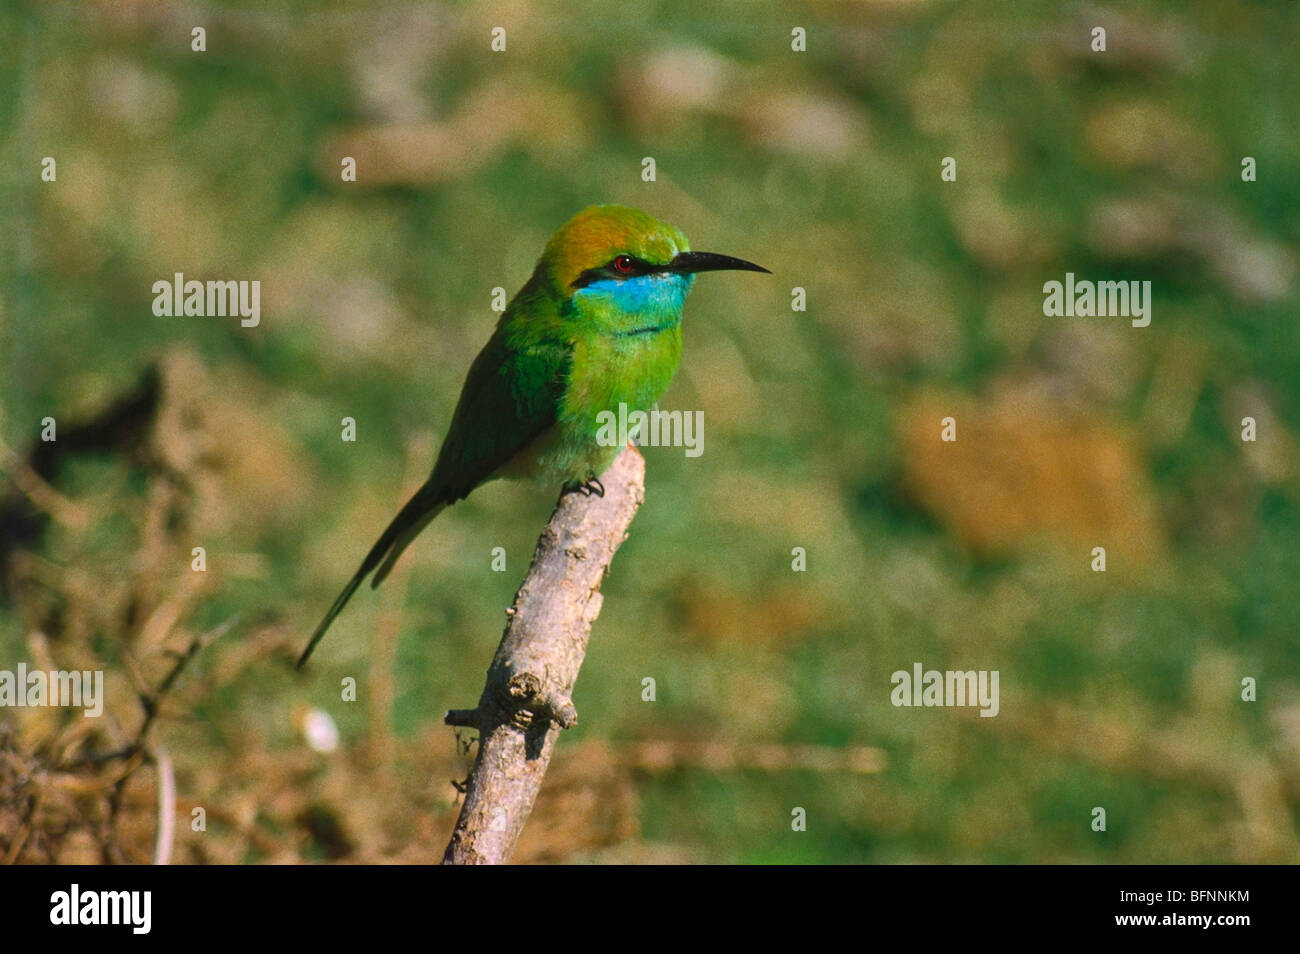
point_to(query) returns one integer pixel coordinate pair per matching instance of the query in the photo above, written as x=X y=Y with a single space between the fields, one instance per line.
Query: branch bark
x=526 y=700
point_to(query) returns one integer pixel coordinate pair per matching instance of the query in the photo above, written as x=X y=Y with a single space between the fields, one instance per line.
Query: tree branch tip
x=558 y=708
x=567 y=716
x=462 y=718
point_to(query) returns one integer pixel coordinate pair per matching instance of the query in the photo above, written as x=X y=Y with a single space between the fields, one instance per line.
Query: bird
x=598 y=324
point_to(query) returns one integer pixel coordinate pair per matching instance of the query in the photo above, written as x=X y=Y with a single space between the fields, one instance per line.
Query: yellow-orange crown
x=599 y=233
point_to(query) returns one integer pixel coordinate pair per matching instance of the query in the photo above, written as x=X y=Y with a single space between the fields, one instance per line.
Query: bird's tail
x=410 y=520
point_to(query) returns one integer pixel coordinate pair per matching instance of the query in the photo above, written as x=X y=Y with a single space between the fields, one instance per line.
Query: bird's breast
x=631 y=370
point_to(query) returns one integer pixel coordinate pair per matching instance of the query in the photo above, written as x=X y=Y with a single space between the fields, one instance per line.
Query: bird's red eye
x=623 y=264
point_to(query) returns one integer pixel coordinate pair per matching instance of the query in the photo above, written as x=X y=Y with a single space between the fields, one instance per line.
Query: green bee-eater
x=598 y=324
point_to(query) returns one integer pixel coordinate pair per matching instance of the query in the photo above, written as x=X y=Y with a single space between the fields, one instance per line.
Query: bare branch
x=166 y=806
x=527 y=698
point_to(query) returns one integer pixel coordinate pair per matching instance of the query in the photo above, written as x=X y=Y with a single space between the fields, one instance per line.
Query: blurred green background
x=924 y=299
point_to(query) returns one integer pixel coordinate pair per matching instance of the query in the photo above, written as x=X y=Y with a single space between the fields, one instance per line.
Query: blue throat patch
x=649 y=303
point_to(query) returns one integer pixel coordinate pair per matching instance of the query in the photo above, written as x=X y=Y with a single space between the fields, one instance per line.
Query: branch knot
x=530 y=701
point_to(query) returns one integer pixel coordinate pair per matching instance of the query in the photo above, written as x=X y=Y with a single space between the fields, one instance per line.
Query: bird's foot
x=587 y=487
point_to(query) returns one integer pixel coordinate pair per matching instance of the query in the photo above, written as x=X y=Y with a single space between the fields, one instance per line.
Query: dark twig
x=150 y=702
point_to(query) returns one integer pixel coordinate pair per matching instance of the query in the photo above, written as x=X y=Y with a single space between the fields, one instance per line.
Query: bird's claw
x=587 y=487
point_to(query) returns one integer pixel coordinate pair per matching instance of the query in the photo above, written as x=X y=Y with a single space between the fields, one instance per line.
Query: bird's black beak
x=688 y=262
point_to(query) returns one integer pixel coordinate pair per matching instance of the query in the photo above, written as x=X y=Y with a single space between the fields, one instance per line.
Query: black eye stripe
x=610 y=270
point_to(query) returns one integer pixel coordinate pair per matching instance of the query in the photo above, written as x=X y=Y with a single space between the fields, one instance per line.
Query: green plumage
x=597 y=325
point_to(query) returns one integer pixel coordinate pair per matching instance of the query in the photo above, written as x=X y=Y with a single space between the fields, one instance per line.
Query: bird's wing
x=511 y=395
